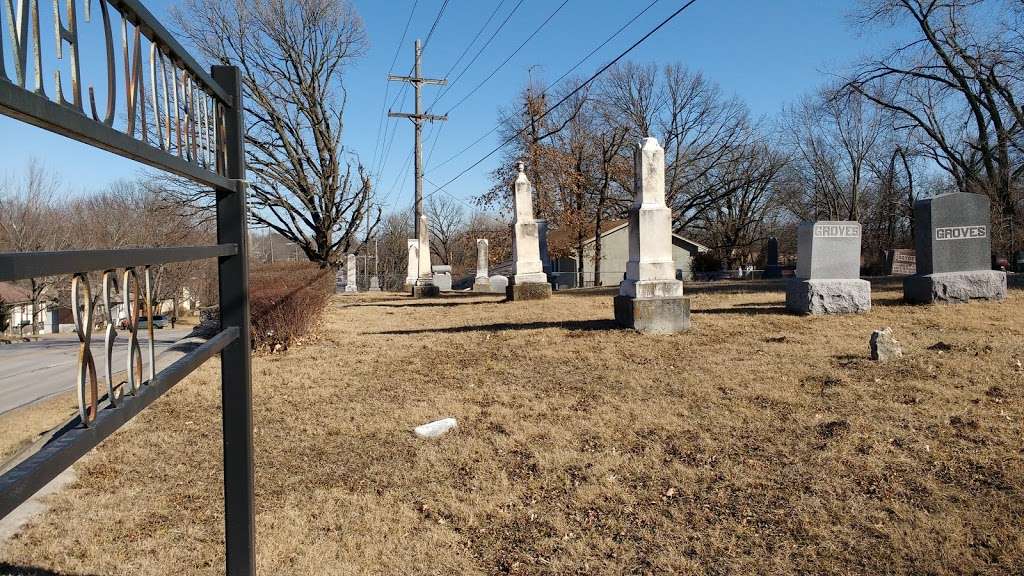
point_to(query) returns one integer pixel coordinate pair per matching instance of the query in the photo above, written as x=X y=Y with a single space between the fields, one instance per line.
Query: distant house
x=18 y=304
x=614 y=255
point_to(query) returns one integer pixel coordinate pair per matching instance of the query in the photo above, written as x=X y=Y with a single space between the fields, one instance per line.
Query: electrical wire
x=567 y=96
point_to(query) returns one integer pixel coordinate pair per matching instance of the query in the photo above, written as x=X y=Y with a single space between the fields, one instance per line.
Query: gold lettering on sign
x=177 y=110
x=18 y=23
x=108 y=33
x=154 y=53
x=135 y=88
x=67 y=34
x=205 y=115
x=166 y=144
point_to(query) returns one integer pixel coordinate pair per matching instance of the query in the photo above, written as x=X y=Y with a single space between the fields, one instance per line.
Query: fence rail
x=24 y=265
x=169 y=113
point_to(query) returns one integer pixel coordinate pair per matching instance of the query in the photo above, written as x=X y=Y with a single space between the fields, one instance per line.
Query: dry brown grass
x=23 y=426
x=757 y=443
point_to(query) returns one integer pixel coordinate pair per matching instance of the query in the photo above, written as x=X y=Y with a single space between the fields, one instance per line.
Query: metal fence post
x=236 y=386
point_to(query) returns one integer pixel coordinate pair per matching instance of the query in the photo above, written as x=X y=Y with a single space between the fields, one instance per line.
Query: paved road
x=33 y=370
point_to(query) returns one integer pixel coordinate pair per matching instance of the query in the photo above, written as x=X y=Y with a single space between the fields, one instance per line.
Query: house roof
x=12 y=293
x=561 y=238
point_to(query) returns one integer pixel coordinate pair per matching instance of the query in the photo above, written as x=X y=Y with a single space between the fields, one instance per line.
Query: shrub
x=286 y=300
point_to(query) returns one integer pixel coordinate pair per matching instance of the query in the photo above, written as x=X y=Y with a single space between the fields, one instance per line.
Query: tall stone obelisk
x=650 y=298
x=482 y=282
x=528 y=281
x=350 y=274
x=424 y=286
x=411 y=271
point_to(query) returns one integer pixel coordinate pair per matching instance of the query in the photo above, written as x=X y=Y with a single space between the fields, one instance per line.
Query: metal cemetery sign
x=157 y=106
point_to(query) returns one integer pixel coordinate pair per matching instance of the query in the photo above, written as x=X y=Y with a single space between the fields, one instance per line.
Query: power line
x=559 y=79
x=430 y=34
x=510 y=56
x=387 y=86
x=569 y=95
x=478 y=54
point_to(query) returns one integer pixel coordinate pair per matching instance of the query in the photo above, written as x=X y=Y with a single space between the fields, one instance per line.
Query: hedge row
x=286 y=300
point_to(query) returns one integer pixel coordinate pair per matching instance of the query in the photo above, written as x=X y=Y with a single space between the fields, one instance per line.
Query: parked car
x=159 y=322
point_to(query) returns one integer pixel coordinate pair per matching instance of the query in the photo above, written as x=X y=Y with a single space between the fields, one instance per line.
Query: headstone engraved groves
x=828 y=270
x=650 y=298
x=528 y=281
x=151 y=95
x=351 y=279
x=953 y=246
x=482 y=283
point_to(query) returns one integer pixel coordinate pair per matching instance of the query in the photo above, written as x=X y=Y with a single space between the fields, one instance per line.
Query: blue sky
x=768 y=53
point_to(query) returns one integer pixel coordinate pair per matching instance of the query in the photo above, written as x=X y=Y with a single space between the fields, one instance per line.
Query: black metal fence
x=189 y=122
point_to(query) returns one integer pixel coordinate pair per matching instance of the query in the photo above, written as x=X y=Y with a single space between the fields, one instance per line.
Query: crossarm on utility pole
x=416 y=117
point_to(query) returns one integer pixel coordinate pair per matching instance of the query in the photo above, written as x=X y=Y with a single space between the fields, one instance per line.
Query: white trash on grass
x=436 y=428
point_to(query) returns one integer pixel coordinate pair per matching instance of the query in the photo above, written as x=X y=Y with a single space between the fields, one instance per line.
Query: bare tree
x=834 y=137
x=446 y=225
x=956 y=87
x=32 y=219
x=293 y=54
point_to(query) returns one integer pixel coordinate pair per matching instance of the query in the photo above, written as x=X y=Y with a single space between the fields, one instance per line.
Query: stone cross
x=650 y=270
x=650 y=297
x=350 y=274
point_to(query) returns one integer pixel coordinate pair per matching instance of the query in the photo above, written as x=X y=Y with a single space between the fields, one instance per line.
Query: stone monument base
x=528 y=291
x=374 y=284
x=482 y=285
x=425 y=291
x=828 y=296
x=955 y=287
x=655 y=315
x=349 y=288
x=407 y=287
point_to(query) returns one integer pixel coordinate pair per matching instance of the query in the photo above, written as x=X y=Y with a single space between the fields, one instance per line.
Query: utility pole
x=417 y=118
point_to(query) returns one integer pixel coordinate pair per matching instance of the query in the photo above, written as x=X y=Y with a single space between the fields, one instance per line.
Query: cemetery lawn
x=756 y=443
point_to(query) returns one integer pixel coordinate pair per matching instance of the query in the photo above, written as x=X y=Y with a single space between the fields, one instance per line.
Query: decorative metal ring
x=86 y=385
x=114 y=392
x=149 y=324
x=130 y=295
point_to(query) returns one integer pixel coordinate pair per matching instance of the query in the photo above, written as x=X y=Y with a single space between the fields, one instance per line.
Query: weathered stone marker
x=350 y=274
x=414 y=262
x=650 y=298
x=443 y=277
x=528 y=281
x=374 y=284
x=828 y=270
x=951 y=238
x=771 y=267
x=424 y=286
x=499 y=284
x=482 y=283
x=542 y=242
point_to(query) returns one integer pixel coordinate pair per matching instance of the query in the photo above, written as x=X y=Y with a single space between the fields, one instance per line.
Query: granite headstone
x=828 y=270
x=952 y=239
